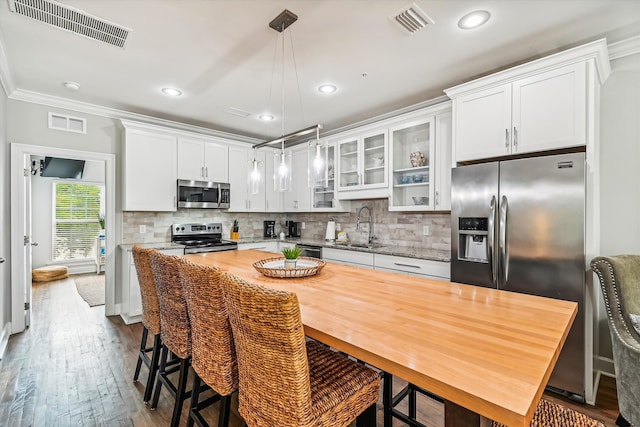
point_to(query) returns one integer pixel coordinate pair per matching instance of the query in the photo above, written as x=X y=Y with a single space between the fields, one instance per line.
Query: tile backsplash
x=403 y=229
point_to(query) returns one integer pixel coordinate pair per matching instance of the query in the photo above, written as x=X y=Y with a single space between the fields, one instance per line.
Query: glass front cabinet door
x=363 y=161
x=412 y=156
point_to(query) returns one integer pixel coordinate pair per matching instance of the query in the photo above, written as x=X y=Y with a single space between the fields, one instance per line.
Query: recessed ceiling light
x=327 y=88
x=266 y=117
x=171 y=91
x=71 y=85
x=474 y=19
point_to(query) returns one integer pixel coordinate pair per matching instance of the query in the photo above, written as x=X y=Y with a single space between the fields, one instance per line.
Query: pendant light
x=318 y=163
x=282 y=176
x=255 y=177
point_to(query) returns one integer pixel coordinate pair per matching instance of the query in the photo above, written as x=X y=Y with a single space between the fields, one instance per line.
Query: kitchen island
x=486 y=352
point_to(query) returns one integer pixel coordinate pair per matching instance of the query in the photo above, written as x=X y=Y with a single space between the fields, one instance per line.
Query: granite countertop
x=419 y=253
x=160 y=246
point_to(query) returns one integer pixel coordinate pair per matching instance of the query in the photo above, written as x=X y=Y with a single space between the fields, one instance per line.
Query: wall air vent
x=412 y=18
x=71 y=19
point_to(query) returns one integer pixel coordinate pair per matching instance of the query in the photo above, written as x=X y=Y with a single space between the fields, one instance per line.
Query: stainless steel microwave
x=203 y=194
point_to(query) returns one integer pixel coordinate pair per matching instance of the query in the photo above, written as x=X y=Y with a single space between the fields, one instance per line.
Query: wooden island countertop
x=489 y=351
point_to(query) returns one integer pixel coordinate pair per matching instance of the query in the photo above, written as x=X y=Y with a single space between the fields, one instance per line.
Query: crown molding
x=623 y=48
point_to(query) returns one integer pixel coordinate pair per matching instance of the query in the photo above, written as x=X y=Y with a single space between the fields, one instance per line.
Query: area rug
x=91 y=288
x=550 y=414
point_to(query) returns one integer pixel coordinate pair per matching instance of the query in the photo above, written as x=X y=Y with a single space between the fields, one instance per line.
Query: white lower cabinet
x=271 y=246
x=348 y=257
x=131 y=309
x=439 y=270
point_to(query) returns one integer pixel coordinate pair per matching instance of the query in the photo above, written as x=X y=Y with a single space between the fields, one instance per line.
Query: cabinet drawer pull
x=260 y=247
x=406 y=265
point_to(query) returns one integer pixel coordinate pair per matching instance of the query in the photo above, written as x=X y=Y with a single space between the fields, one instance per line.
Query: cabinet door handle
x=437 y=198
x=506 y=138
x=401 y=264
x=515 y=137
x=267 y=204
x=2 y=260
x=202 y=171
x=206 y=172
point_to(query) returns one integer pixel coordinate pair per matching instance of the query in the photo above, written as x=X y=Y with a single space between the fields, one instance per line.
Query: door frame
x=18 y=154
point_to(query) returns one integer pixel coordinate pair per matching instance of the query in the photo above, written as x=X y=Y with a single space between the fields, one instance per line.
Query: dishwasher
x=310 y=251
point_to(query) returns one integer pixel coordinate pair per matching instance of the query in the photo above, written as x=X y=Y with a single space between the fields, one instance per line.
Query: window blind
x=75 y=220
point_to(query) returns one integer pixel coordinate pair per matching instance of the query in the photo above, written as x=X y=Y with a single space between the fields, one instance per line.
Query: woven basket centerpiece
x=275 y=267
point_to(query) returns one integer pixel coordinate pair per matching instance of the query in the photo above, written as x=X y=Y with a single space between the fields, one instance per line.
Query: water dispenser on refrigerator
x=473 y=239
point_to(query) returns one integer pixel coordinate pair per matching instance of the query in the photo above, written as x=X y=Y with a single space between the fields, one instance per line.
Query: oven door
x=218 y=247
x=203 y=194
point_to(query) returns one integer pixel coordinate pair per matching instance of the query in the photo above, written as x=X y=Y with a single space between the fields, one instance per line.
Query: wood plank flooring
x=74 y=367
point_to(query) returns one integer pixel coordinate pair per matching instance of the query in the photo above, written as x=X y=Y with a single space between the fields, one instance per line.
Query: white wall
x=620 y=172
x=5 y=241
x=42 y=212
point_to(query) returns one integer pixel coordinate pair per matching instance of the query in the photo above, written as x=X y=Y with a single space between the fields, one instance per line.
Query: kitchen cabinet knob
x=2 y=260
x=34 y=244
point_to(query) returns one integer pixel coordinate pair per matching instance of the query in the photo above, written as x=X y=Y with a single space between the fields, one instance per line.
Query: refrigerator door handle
x=504 y=251
x=491 y=256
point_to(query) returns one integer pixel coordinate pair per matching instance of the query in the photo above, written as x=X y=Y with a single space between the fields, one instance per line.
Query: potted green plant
x=291 y=255
x=102 y=222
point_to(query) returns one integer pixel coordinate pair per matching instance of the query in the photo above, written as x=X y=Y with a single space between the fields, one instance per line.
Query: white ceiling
x=220 y=53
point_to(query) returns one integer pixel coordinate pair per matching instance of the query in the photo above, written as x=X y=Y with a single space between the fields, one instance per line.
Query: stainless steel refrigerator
x=519 y=225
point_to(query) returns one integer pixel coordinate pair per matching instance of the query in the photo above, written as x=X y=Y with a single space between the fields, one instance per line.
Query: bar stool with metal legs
x=175 y=331
x=213 y=355
x=285 y=380
x=150 y=319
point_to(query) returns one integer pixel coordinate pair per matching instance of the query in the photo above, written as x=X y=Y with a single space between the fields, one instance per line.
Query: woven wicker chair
x=175 y=330
x=213 y=355
x=150 y=318
x=620 y=282
x=285 y=380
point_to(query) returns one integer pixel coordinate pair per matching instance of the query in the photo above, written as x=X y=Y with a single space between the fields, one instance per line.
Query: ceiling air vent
x=412 y=18
x=71 y=19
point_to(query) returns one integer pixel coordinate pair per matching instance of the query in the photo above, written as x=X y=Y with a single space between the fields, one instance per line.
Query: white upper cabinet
x=149 y=169
x=242 y=199
x=325 y=199
x=362 y=164
x=202 y=160
x=420 y=159
x=547 y=104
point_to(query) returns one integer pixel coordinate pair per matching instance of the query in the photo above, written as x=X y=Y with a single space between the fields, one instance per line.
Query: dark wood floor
x=74 y=367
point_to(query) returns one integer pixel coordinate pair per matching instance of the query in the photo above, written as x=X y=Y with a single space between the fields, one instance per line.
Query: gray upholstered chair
x=620 y=281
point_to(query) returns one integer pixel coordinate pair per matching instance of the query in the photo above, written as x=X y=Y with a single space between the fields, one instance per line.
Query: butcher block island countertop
x=484 y=351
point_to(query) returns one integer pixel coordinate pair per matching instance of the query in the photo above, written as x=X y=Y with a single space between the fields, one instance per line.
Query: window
x=75 y=220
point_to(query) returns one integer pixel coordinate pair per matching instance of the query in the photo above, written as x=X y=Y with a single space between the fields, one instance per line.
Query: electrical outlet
x=143 y=229
x=425 y=230
x=303 y=225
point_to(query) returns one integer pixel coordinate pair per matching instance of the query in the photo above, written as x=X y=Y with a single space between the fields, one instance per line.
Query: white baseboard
x=4 y=338
x=604 y=365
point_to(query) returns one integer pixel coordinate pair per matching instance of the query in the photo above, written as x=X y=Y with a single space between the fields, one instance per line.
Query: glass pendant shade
x=318 y=165
x=282 y=175
x=254 y=177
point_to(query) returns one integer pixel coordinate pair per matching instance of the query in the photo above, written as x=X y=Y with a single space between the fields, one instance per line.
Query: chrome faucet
x=370 y=220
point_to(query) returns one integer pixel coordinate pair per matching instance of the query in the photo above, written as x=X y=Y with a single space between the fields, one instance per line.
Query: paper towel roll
x=331 y=231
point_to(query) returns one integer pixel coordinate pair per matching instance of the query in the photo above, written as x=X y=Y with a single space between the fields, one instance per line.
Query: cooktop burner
x=201 y=237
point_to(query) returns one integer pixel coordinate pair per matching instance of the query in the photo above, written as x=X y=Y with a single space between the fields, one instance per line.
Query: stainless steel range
x=201 y=237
